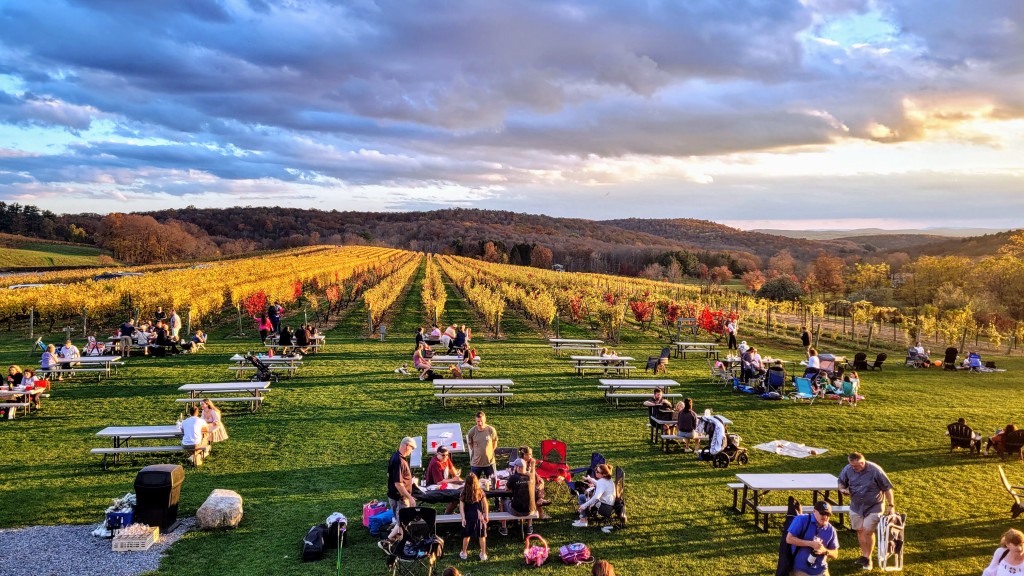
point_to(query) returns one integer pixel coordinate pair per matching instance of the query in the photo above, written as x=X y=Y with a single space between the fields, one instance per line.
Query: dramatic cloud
x=532 y=105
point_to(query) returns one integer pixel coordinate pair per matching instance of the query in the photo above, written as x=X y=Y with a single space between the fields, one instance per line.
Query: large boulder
x=222 y=509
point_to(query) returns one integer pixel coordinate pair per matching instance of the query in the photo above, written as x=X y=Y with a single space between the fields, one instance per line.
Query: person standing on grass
x=400 y=477
x=474 y=512
x=483 y=439
x=868 y=487
x=175 y=324
x=805 y=340
x=274 y=314
x=815 y=541
x=730 y=330
x=264 y=326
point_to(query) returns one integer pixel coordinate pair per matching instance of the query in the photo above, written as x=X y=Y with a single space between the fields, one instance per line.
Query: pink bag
x=372 y=508
x=535 y=555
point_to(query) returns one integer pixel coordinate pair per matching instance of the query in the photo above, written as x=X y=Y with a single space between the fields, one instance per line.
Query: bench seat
x=669 y=438
x=769 y=511
x=735 y=488
x=13 y=406
x=134 y=450
x=230 y=399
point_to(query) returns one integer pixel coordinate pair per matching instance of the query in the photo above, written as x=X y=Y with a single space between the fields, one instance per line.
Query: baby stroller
x=263 y=373
x=723 y=447
x=420 y=546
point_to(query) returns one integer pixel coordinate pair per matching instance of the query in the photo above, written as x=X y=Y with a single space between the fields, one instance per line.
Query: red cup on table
x=433 y=443
x=454 y=445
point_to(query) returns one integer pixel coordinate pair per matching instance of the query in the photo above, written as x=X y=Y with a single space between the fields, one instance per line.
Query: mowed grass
x=41 y=254
x=321 y=441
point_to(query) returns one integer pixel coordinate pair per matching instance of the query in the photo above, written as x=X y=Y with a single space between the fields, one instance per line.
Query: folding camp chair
x=775 y=381
x=420 y=547
x=804 y=390
x=890 y=535
x=552 y=467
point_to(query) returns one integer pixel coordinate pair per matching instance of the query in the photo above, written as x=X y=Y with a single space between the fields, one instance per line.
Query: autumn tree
x=541 y=257
x=753 y=280
x=783 y=261
x=826 y=274
x=781 y=288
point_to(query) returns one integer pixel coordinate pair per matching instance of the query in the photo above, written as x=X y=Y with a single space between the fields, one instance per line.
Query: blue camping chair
x=775 y=381
x=804 y=390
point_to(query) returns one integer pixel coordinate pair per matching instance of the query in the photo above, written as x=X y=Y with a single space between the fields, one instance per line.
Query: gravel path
x=62 y=550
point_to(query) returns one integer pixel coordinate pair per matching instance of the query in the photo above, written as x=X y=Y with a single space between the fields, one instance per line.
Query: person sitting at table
x=522 y=485
x=755 y=364
x=195 y=343
x=435 y=333
x=686 y=426
x=996 y=441
x=50 y=361
x=164 y=339
x=448 y=336
x=601 y=500
x=459 y=342
x=420 y=361
x=284 y=338
x=14 y=376
x=303 y=338
x=69 y=352
x=28 y=377
x=419 y=336
x=442 y=470
x=530 y=466
x=776 y=376
x=211 y=415
x=658 y=400
x=195 y=439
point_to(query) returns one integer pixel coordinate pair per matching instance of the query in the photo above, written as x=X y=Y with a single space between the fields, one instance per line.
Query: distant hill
x=858 y=232
x=711 y=236
x=973 y=247
x=18 y=252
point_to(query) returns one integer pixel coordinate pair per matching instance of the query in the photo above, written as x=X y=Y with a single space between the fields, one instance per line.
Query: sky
x=799 y=114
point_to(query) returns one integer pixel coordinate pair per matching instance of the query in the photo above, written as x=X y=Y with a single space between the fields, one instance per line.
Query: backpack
x=573 y=554
x=313 y=544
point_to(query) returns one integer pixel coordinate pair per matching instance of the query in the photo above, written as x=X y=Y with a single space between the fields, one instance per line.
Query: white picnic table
x=122 y=435
x=448 y=435
x=292 y=363
x=474 y=388
x=449 y=359
x=696 y=433
x=612 y=388
x=616 y=363
x=20 y=391
x=708 y=349
x=559 y=344
x=102 y=365
x=254 y=390
x=757 y=485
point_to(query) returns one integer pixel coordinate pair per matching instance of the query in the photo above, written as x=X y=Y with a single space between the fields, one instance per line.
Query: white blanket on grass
x=787 y=448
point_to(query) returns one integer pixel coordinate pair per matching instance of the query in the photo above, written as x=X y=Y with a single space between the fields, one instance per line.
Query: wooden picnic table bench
x=475 y=388
x=559 y=344
x=708 y=349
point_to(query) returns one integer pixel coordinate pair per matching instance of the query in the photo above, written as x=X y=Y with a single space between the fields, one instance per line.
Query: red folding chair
x=552 y=467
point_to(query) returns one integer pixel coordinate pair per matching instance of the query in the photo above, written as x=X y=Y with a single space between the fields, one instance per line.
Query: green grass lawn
x=42 y=254
x=321 y=441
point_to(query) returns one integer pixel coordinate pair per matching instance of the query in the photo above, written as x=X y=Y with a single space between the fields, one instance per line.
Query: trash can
x=157 y=489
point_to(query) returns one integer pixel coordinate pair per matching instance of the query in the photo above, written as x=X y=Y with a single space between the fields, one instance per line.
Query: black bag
x=313 y=544
x=158 y=351
x=333 y=535
x=990 y=364
x=786 y=552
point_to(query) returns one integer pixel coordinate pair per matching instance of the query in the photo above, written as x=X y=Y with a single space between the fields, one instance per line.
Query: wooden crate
x=124 y=543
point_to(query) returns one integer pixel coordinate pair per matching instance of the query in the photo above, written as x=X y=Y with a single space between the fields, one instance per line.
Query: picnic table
x=123 y=435
x=448 y=435
x=7 y=395
x=475 y=388
x=613 y=387
x=708 y=349
x=618 y=364
x=559 y=344
x=254 y=390
x=755 y=486
x=101 y=365
x=289 y=363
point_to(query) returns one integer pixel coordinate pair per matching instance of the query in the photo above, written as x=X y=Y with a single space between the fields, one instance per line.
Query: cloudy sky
x=756 y=113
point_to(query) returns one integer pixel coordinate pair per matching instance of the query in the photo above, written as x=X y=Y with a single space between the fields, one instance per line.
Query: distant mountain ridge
x=858 y=232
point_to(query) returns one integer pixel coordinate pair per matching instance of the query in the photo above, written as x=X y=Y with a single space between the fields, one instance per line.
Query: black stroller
x=263 y=372
x=732 y=451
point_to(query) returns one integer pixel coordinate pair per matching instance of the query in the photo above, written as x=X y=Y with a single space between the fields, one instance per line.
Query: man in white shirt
x=70 y=352
x=175 y=322
x=195 y=436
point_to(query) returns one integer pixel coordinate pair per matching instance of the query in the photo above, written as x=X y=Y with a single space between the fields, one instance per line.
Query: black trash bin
x=157 y=489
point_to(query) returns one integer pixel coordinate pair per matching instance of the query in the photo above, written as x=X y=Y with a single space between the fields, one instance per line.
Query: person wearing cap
x=868 y=487
x=400 y=477
x=813 y=540
x=440 y=469
x=522 y=486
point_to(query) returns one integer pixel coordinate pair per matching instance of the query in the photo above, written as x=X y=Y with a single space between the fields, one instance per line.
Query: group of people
x=161 y=335
x=201 y=430
x=525 y=488
x=454 y=338
x=22 y=379
x=301 y=339
x=421 y=360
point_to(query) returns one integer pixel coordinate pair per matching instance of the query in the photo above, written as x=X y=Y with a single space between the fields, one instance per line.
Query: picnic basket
x=139 y=538
x=535 y=555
